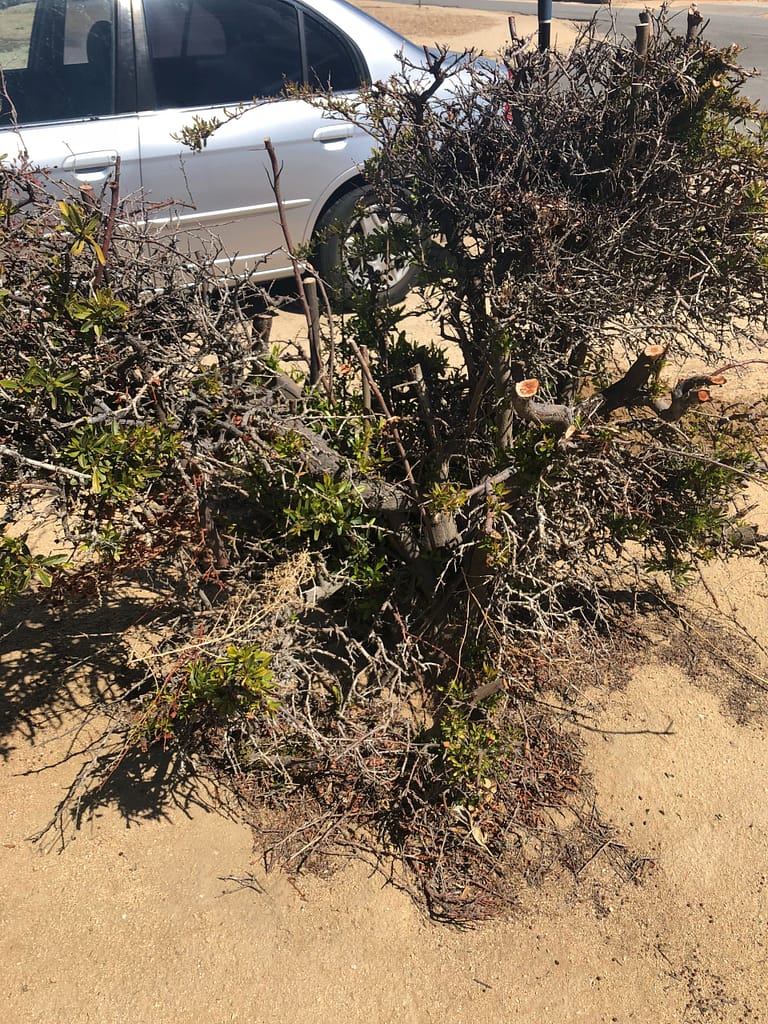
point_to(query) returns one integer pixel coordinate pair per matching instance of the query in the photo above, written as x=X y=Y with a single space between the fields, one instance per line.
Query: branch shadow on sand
x=63 y=673
x=152 y=786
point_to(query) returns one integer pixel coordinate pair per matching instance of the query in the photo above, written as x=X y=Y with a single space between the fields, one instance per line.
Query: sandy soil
x=135 y=921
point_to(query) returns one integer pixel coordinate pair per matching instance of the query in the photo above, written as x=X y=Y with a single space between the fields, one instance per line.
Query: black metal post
x=545 y=24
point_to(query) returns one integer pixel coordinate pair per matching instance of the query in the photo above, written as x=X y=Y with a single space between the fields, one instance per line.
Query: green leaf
x=43 y=576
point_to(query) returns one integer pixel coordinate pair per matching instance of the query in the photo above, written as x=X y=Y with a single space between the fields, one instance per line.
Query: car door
x=204 y=58
x=68 y=99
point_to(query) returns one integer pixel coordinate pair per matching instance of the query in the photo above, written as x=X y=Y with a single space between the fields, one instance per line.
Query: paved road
x=743 y=23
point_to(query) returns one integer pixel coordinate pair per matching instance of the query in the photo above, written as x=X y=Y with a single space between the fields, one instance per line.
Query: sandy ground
x=135 y=921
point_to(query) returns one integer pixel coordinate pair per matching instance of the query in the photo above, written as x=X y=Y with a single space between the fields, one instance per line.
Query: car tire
x=357 y=212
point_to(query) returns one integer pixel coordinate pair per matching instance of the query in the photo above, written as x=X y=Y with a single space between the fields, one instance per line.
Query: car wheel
x=352 y=249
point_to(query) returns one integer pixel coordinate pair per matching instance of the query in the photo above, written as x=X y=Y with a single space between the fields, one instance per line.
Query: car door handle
x=334 y=133
x=91 y=166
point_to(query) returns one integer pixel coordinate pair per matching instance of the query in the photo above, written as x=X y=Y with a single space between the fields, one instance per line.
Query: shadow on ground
x=54 y=661
x=63 y=675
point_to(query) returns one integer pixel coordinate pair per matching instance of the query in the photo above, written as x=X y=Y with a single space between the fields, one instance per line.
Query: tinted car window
x=213 y=52
x=180 y=28
x=330 y=60
x=57 y=59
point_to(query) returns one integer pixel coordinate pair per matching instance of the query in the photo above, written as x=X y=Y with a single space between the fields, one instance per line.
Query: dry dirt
x=135 y=921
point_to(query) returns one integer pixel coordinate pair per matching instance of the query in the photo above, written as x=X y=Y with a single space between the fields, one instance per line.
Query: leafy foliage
x=19 y=567
x=238 y=684
x=121 y=462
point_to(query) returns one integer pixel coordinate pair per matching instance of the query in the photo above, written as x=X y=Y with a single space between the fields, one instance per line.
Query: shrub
x=368 y=581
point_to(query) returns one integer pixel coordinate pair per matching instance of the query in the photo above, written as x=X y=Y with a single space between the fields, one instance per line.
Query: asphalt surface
x=745 y=24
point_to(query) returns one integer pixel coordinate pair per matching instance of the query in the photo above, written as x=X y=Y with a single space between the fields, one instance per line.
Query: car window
x=57 y=60
x=179 y=29
x=213 y=52
x=331 y=62
x=15 y=33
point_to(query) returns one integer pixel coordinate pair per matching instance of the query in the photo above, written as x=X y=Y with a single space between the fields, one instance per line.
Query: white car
x=84 y=81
